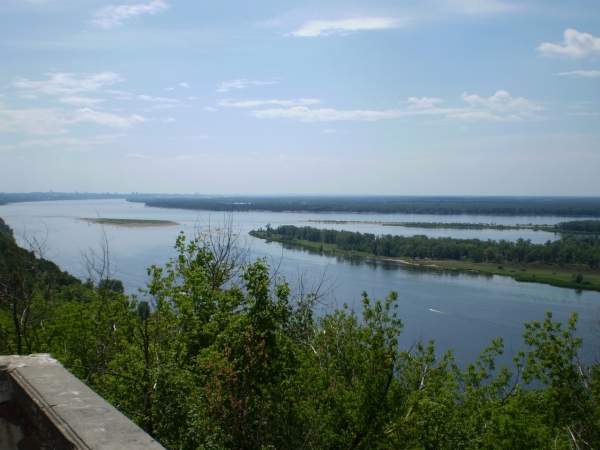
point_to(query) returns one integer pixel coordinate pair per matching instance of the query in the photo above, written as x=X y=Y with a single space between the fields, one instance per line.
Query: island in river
x=131 y=223
x=571 y=262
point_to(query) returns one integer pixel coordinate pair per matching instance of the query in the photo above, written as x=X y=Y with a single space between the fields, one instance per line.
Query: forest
x=571 y=249
x=579 y=226
x=513 y=206
x=221 y=352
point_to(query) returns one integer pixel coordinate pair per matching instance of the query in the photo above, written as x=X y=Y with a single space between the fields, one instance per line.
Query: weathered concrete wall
x=43 y=406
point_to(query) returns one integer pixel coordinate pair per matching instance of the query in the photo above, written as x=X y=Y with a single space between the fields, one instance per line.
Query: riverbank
x=130 y=223
x=572 y=277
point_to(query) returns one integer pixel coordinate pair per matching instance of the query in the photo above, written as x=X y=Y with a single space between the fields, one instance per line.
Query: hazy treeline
x=219 y=352
x=568 y=250
x=455 y=225
x=513 y=206
x=20 y=197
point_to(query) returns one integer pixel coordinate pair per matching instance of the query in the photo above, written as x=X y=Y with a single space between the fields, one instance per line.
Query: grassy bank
x=529 y=273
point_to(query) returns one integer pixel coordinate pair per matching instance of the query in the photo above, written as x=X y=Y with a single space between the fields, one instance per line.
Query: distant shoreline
x=130 y=223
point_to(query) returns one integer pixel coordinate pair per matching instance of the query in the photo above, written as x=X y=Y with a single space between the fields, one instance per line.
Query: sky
x=386 y=97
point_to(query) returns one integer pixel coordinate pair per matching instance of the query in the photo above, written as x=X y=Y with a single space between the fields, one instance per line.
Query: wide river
x=469 y=310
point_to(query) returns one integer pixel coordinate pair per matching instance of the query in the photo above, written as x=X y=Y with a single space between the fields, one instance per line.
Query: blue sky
x=429 y=97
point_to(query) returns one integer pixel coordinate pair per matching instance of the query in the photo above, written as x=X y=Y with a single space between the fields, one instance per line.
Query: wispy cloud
x=423 y=102
x=304 y=114
x=241 y=83
x=33 y=121
x=499 y=107
x=81 y=101
x=69 y=84
x=56 y=121
x=501 y=101
x=581 y=73
x=74 y=143
x=122 y=95
x=314 y=28
x=575 y=45
x=138 y=156
x=114 y=16
x=254 y=103
x=107 y=119
x=183 y=84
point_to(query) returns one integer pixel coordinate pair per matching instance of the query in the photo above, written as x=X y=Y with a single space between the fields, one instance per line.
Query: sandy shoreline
x=132 y=224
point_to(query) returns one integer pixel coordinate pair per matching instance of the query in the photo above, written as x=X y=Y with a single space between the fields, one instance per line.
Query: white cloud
x=184 y=84
x=255 y=103
x=305 y=114
x=33 y=121
x=55 y=121
x=81 y=101
x=499 y=107
x=6 y=147
x=169 y=119
x=124 y=95
x=575 y=45
x=29 y=96
x=138 y=155
x=148 y=98
x=209 y=108
x=483 y=115
x=107 y=119
x=581 y=73
x=74 y=143
x=113 y=16
x=241 y=83
x=423 y=102
x=314 y=28
x=67 y=84
x=501 y=101
x=169 y=89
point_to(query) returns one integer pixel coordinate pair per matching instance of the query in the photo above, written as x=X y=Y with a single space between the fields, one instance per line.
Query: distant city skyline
x=431 y=97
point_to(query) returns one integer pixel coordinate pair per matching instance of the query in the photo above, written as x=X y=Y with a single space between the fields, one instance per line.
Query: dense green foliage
x=222 y=354
x=30 y=290
x=568 y=250
x=513 y=206
x=581 y=226
x=5 y=230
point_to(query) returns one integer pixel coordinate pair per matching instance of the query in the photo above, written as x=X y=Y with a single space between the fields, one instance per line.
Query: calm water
x=472 y=309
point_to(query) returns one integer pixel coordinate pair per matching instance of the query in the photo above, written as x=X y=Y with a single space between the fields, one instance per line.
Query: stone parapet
x=43 y=406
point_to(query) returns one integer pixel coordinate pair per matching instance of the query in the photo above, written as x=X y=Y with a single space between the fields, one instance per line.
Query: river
x=458 y=310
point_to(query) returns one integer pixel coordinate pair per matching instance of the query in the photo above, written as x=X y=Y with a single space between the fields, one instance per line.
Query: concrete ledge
x=43 y=406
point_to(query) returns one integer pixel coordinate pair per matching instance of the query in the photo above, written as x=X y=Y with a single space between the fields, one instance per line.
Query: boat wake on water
x=473 y=319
